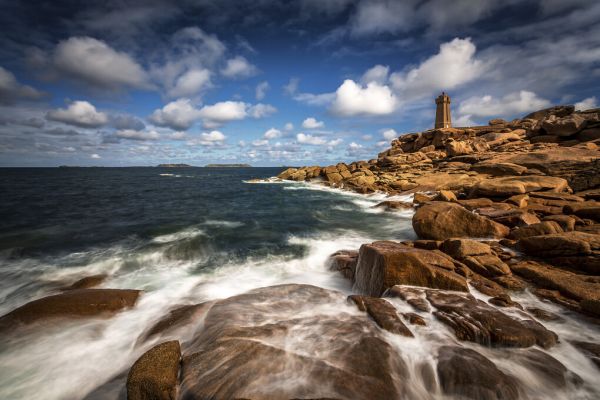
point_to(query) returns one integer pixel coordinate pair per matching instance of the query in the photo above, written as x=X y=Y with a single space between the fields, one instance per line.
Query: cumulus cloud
x=79 y=113
x=95 y=62
x=261 y=90
x=586 y=104
x=132 y=134
x=272 y=133
x=191 y=83
x=95 y=156
x=310 y=139
x=378 y=74
x=512 y=104
x=352 y=99
x=389 y=134
x=212 y=138
x=312 y=123
x=261 y=110
x=452 y=66
x=178 y=114
x=11 y=90
x=222 y=112
x=238 y=67
x=335 y=142
x=125 y=121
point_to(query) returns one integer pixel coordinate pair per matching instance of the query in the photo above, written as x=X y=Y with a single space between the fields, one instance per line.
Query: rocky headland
x=499 y=211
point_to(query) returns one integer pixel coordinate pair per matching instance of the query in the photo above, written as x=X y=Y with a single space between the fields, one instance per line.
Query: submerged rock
x=290 y=341
x=444 y=220
x=382 y=265
x=71 y=304
x=466 y=373
x=154 y=375
x=345 y=262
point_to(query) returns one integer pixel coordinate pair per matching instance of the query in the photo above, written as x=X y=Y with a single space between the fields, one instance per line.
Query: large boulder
x=443 y=220
x=290 y=341
x=540 y=228
x=558 y=111
x=476 y=321
x=384 y=264
x=560 y=244
x=154 y=375
x=469 y=375
x=71 y=304
x=565 y=126
x=512 y=185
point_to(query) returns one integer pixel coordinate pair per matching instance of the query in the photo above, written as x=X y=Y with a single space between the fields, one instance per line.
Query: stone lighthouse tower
x=442 y=111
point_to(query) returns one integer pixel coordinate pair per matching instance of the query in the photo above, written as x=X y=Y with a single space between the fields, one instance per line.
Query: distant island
x=173 y=165
x=228 y=165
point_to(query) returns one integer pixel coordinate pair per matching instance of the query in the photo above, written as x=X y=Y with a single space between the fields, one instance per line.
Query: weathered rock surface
x=71 y=304
x=154 y=375
x=87 y=282
x=510 y=186
x=466 y=373
x=383 y=313
x=176 y=318
x=476 y=321
x=443 y=220
x=249 y=339
x=345 y=262
x=382 y=265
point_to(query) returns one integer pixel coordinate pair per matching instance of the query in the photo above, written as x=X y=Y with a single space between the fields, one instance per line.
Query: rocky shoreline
x=499 y=211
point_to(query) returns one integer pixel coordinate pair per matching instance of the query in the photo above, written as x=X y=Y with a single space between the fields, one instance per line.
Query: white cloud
x=261 y=90
x=335 y=142
x=179 y=135
x=191 y=83
x=11 y=90
x=352 y=99
x=238 y=67
x=292 y=86
x=272 y=133
x=289 y=126
x=79 y=113
x=378 y=74
x=179 y=114
x=137 y=135
x=312 y=123
x=586 y=104
x=209 y=139
x=312 y=99
x=387 y=16
x=260 y=143
x=94 y=62
x=464 y=120
x=512 y=104
x=389 y=134
x=310 y=139
x=222 y=112
x=355 y=146
x=95 y=156
x=261 y=110
x=453 y=66
x=367 y=137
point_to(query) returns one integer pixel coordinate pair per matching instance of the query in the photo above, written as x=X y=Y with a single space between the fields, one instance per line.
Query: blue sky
x=275 y=83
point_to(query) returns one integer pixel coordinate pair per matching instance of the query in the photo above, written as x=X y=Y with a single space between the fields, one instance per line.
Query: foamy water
x=192 y=265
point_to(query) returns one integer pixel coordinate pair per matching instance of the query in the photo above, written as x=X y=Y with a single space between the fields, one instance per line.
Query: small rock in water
x=154 y=375
x=383 y=313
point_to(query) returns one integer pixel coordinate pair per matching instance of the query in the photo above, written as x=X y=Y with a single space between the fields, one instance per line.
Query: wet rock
x=71 y=304
x=474 y=320
x=310 y=339
x=511 y=282
x=504 y=300
x=443 y=220
x=390 y=205
x=414 y=319
x=345 y=262
x=541 y=228
x=509 y=186
x=154 y=375
x=87 y=282
x=591 y=350
x=176 y=318
x=414 y=297
x=384 y=264
x=486 y=286
x=543 y=314
x=383 y=313
x=466 y=373
x=580 y=288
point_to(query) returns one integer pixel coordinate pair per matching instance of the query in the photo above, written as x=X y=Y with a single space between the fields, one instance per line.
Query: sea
x=184 y=236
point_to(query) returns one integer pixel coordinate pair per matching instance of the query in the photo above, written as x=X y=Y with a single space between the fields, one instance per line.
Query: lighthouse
x=442 y=111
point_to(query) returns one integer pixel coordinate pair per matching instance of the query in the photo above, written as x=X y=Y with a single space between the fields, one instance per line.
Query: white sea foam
x=184 y=234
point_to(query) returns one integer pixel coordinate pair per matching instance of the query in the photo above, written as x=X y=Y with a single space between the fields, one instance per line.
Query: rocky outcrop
x=75 y=303
x=248 y=339
x=443 y=220
x=154 y=376
x=382 y=265
x=468 y=374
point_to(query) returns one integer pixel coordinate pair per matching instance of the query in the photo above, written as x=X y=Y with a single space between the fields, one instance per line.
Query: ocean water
x=185 y=236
